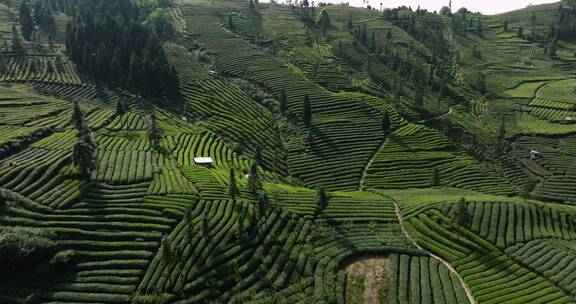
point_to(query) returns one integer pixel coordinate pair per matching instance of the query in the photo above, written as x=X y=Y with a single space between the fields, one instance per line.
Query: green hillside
x=355 y=155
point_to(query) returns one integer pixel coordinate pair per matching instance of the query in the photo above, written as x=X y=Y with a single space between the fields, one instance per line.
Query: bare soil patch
x=367 y=280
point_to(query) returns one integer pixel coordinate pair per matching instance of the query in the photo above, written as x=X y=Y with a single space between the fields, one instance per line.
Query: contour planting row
x=227 y=259
x=491 y=276
x=413 y=152
x=49 y=69
x=555 y=166
x=185 y=147
x=552 y=258
x=357 y=207
x=421 y=279
x=345 y=134
x=113 y=234
x=228 y=111
x=505 y=224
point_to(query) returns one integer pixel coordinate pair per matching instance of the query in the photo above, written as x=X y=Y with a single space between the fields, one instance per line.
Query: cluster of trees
x=109 y=43
x=423 y=26
x=42 y=15
x=566 y=23
x=85 y=147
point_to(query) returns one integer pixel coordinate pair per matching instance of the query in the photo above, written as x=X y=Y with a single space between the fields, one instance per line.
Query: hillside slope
x=438 y=147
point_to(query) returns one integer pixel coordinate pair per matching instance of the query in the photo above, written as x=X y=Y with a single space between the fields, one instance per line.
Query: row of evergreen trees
x=108 y=42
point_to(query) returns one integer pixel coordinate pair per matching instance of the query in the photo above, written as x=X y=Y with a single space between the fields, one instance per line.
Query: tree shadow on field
x=318 y=136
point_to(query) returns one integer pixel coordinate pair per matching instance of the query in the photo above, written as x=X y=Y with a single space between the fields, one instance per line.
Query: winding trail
x=466 y=289
x=365 y=172
x=450 y=110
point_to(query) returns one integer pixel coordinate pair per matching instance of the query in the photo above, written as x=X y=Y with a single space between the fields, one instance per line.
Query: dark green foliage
x=62 y=260
x=306 y=110
x=321 y=200
x=419 y=99
x=386 y=123
x=254 y=182
x=26 y=22
x=435 y=178
x=230 y=21
x=155 y=133
x=109 y=43
x=323 y=20
x=232 y=186
x=481 y=84
x=501 y=140
x=505 y=25
x=77 y=115
x=461 y=216
x=350 y=24
x=83 y=153
x=283 y=100
x=84 y=157
x=205 y=225
x=262 y=205
x=16 y=40
x=44 y=15
x=167 y=251
x=120 y=108
x=25 y=247
x=520 y=32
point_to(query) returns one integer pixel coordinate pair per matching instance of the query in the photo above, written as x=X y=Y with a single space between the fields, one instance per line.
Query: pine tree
x=155 y=134
x=481 y=84
x=232 y=187
x=240 y=222
x=251 y=4
x=120 y=108
x=167 y=252
x=205 y=225
x=505 y=25
x=323 y=20
x=230 y=22
x=283 y=100
x=254 y=183
x=501 y=140
x=419 y=99
x=16 y=40
x=435 y=178
x=350 y=24
x=461 y=216
x=83 y=152
x=321 y=200
x=83 y=156
x=77 y=115
x=386 y=123
x=262 y=205
x=306 y=110
x=134 y=72
x=26 y=21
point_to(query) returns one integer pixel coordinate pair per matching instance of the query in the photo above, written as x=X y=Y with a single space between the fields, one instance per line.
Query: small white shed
x=535 y=154
x=203 y=161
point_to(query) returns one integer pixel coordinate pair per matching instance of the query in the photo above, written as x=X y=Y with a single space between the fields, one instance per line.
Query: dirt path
x=365 y=172
x=450 y=110
x=365 y=278
x=466 y=289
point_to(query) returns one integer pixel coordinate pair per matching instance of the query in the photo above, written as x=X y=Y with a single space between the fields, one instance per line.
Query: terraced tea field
x=299 y=153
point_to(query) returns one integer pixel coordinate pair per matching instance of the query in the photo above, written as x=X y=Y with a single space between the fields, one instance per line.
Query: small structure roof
x=203 y=160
